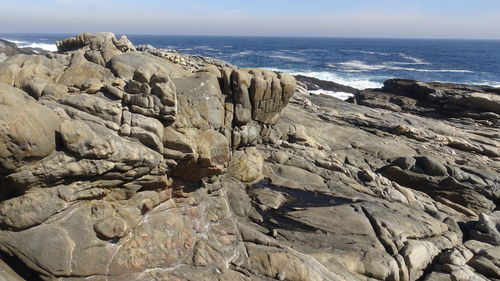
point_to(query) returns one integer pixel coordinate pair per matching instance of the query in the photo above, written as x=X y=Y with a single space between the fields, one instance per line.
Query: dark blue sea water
x=360 y=63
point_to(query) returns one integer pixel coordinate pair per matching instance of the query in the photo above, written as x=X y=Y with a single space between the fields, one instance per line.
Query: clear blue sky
x=332 y=18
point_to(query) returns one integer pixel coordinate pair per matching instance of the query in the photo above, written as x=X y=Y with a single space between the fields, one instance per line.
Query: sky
x=312 y=18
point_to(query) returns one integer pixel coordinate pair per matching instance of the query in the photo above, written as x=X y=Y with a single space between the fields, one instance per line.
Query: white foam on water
x=413 y=60
x=43 y=46
x=240 y=54
x=360 y=66
x=434 y=70
x=339 y=95
x=359 y=83
x=357 y=66
x=289 y=58
x=366 y=52
x=494 y=84
x=17 y=42
x=355 y=82
x=205 y=48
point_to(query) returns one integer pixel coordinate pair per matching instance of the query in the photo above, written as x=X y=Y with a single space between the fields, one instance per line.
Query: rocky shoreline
x=8 y=49
x=123 y=162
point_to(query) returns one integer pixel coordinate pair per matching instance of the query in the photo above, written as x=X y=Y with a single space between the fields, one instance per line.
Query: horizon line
x=260 y=36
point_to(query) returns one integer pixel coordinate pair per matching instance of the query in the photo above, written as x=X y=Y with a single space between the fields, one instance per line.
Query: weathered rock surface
x=134 y=163
x=27 y=131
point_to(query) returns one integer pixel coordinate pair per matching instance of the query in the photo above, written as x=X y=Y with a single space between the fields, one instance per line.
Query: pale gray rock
x=127 y=65
x=487 y=262
x=27 y=131
x=487 y=229
x=200 y=91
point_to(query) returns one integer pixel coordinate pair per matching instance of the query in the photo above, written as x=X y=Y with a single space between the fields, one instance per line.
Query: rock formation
x=133 y=163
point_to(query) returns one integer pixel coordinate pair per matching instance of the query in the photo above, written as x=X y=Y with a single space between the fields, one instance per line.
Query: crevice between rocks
x=20 y=268
x=378 y=231
x=429 y=269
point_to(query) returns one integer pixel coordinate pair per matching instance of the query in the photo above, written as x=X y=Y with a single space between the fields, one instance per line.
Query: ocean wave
x=433 y=70
x=359 y=83
x=17 y=42
x=357 y=66
x=355 y=82
x=494 y=84
x=25 y=44
x=339 y=95
x=240 y=54
x=311 y=50
x=413 y=60
x=360 y=66
x=205 y=48
x=288 y=58
x=366 y=52
x=43 y=46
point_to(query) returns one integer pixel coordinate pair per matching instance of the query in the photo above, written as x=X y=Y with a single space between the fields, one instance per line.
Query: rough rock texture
x=125 y=163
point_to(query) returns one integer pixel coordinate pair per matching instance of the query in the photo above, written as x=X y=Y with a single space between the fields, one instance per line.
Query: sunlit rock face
x=103 y=149
x=122 y=162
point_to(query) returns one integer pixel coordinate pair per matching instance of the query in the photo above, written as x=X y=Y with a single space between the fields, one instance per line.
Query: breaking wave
x=43 y=46
x=359 y=83
x=413 y=60
x=339 y=95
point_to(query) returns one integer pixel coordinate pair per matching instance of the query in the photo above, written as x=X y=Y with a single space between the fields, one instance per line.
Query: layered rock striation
x=134 y=163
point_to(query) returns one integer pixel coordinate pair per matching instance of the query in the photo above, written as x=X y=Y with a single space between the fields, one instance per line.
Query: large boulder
x=16 y=70
x=141 y=66
x=487 y=229
x=201 y=103
x=97 y=41
x=8 y=48
x=258 y=94
x=212 y=155
x=27 y=130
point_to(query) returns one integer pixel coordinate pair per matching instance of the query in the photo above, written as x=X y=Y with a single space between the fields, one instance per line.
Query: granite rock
x=135 y=163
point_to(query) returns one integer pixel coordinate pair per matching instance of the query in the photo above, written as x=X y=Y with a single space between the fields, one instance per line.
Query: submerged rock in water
x=134 y=163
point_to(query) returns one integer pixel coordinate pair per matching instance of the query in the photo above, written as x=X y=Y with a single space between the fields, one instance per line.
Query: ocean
x=359 y=63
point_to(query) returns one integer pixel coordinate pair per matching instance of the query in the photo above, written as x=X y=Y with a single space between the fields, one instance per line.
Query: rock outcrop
x=134 y=163
x=436 y=100
x=8 y=49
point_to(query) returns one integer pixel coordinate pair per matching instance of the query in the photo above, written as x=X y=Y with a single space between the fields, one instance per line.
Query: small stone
x=110 y=228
